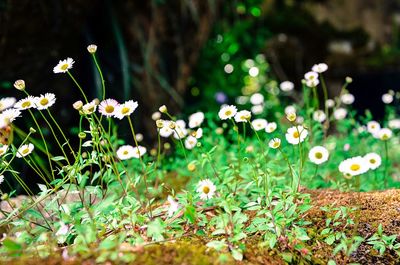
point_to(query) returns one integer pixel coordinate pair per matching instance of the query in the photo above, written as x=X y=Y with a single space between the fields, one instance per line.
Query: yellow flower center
x=228 y=112
x=276 y=144
x=296 y=135
x=26 y=104
x=318 y=155
x=109 y=109
x=125 y=152
x=44 y=101
x=206 y=189
x=372 y=161
x=125 y=110
x=64 y=67
x=25 y=151
x=355 y=167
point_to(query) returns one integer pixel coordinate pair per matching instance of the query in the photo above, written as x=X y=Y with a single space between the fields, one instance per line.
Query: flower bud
x=32 y=130
x=78 y=105
x=191 y=167
x=291 y=116
x=156 y=116
x=159 y=123
x=349 y=79
x=163 y=109
x=92 y=48
x=82 y=135
x=19 y=84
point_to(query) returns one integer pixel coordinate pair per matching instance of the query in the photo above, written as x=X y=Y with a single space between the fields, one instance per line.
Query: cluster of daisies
x=360 y=164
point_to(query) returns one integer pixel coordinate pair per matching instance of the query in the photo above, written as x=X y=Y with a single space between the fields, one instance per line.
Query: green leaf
x=11 y=245
x=330 y=239
x=217 y=245
x=58 y=158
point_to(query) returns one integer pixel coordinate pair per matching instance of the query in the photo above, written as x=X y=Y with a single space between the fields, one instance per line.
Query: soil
x=380 y=207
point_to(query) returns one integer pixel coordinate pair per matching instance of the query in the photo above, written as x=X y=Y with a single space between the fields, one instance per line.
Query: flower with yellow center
x=227 y=112
x=374 y=160
x=318 y=155
x=126 y=109
x=139 y=151
x=63 y=66
x=291 y=116
x=92 y=48
x=3 y=149
x=275 y=143
x=89 y=108
x=354 y=166
x=25 y=103
x=243 y=116
x=45 y=101
x=125 y=152
x=6 y=103
x=108 y=107
x=206 y=189
x=296 y=134
x=19 y=84
x=25 y=150
x=385 y=134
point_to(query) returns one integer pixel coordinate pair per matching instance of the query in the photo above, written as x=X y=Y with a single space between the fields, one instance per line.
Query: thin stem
x=77 y=84
x=62 y=133
x=386 y=164
x=101 y=76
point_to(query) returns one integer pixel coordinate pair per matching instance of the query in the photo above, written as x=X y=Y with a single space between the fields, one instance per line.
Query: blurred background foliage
x=195 y=54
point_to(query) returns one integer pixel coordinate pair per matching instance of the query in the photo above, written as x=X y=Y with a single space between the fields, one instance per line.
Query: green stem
x=77 y=84
x=101 y=76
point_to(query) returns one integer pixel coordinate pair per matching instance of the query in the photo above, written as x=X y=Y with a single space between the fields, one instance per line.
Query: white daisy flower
x=45 y=101
x=227 y=112
x=6 y=103
x=89 y=108
x=387 y=98
x=257 y=109
x=166 y=131
x=259 y=124
x=330 y=103
x=271 y=127
x=196 y=119
x=373 y=127
x=25 y=150
x=206 y=189
x=139 y=151
x=320 y=68
x=3 y=149
x=286 y=86
x=25 y=103
x=290 y=109
x=190 y=142
x=108 y=107
x=340 y=113
x=125 y=152
x=257 y=99
x=354 y=166
x=198 y=133
x=173 y=206
x=394 y=124
x=125 y=109
x=318 y=155
x=274 y=143
x=374 y=160
x=312 y=83
x=319 y=116
x=311 y=76
x=63 y=66
x=180 y=130
x=296 y=134
x=9 y=115
x=347 y=99
x=243 y=116
x=1 y=179
x=385 y=134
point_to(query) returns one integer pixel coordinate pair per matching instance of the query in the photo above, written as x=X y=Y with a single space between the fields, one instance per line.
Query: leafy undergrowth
x=381 y=207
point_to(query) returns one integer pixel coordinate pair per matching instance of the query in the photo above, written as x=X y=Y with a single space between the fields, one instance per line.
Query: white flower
x=196 y=119
x=387 y=98
x=166 y=131
x=173 y=206
x=108 y=107
x=253 y=71
x=347 y=99
x=63 y=66
x=227 y=112
x=394 y=124
x=25 y=150
x=243 y=116
x=271 y=127
x=6 y=103
x=92 y=48
x=259 y=124
x=274 y=143
x=385 y=134
x=125 y=152
x=156 y=116
x=125 y=109
x=1 y=179
x=290 y=109
x=257 y=109
x=180 y=130
x=89 y=108
x=139 y=151
x=320 y=68
x=374 y=160
x=310 y=76
x=198 y=133
x=45 y=101
x=286 y=86
x=299 y=120
x=19 y=84
x=3 y=149
x=373 y=127
x=190 y=142
x=206 y=189
x=330 y=103
x=241 y=100
x=8 y=116
x=25 y=103
x=163 y=109
x=354 y=166
x=319 y=116
x=346 y=147
x=318 y=155
x=257 y=99
x=312 y=83
x=296 y=134
x=340 y=113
